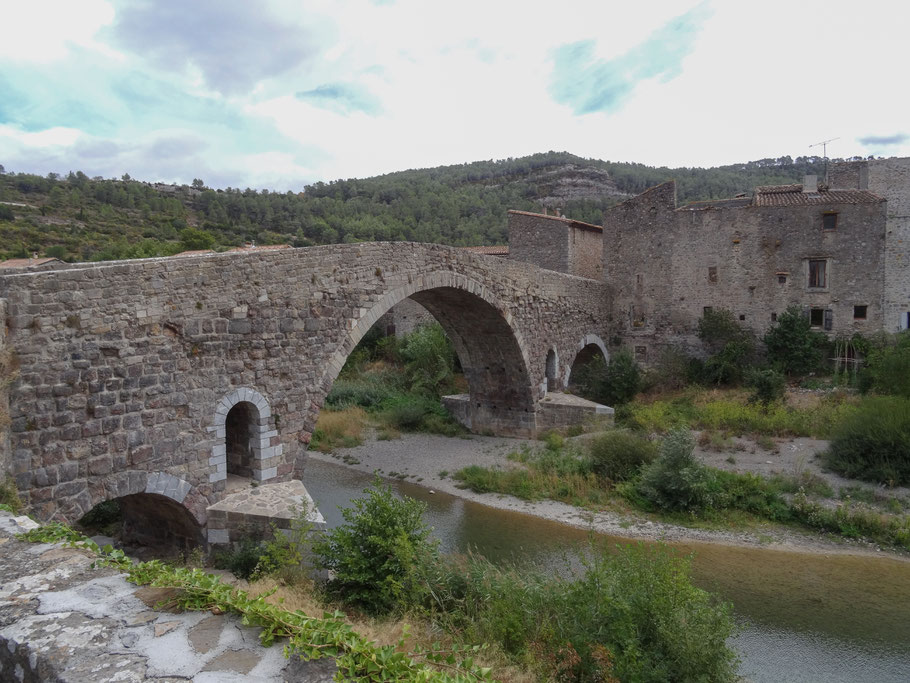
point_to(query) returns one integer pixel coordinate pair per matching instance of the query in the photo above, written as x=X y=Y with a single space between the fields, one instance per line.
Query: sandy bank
x=429 y=460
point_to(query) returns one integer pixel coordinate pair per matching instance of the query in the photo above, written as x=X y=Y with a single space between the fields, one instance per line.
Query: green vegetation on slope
x=75 y=217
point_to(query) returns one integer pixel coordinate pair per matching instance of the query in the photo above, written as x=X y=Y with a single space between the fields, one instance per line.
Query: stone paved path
x=62 y=620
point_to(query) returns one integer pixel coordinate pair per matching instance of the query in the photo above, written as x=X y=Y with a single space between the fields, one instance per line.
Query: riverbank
x=428 y=461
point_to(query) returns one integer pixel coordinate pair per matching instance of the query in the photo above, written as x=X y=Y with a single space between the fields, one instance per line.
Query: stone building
x=838 y=252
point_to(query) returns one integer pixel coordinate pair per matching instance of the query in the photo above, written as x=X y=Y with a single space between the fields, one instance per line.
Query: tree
x=192 y=239
x=792 y=343
x=198 y=184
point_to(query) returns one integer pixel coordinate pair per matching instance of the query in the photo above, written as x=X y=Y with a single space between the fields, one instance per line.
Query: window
x=829 y=220
x=742 y=317
x=774 y=317
x=781 y=279
x=818 y=276
x=712 y=273
x=859 y=312
x=817 y=317
x=707 y=309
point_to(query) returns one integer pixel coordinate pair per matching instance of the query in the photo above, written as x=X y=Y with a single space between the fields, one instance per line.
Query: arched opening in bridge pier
x=587 y=367
x=489 y=350
x=144 y=519
x=241 y=427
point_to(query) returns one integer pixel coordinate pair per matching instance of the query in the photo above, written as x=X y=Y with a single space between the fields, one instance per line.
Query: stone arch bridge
x=136 y=377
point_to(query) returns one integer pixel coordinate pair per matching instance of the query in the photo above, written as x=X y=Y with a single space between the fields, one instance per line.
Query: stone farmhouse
x=839 y=251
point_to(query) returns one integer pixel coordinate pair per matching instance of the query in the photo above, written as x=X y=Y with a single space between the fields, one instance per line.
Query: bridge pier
x=554 y=411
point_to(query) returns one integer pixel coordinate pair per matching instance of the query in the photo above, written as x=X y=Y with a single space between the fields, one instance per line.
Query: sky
x=281 y=94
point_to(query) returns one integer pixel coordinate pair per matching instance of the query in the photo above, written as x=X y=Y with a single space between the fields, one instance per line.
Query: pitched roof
x=574 y=223
x=793 y=195
x=498 y=250
x=28 y=262
x=733 y=203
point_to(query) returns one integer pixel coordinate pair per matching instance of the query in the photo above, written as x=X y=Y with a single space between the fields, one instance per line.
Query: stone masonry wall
x=556 y=243
x=890 y=178
x=586 y=252
x=127 y=367
x=541 y=240
x=7 y=368
x=668 y=264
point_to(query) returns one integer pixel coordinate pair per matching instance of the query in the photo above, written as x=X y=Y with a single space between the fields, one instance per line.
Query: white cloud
x=450 y=83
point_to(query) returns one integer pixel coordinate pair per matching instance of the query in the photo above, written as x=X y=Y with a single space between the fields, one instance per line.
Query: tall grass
x=338 y=429
x=731 y=411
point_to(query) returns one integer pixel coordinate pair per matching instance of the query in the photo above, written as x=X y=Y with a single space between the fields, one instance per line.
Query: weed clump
x=874 y=443
x=619 y=455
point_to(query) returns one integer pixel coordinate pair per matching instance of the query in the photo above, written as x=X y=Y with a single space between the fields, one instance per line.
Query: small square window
x=712 y=273
x=742 y=317
x=817 y=317
x=859 y=312
x=829 y=220
x=818 y=273
x=774 y=317
x=707 y=309
x=781 y=279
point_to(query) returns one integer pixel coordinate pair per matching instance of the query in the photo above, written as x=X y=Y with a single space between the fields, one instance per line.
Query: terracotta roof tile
x=27 y=262
x=793 y=195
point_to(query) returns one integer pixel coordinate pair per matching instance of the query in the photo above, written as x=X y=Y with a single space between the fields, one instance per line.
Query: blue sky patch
x=343 y=98
x=588 y=84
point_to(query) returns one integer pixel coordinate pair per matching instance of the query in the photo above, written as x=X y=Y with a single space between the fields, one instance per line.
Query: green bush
x=619 y=455
x=364 y=391
x=675 y=481
x=378 y=555
x=719 y=327
x=9 y=495
x=409 y=412
x=727 y=367
x=241 y=560
x=874 y=442
x=632 y=615
x=768 y=386
x=887 y=368
x=612 y=383
x=429 y=359
x=793 y=345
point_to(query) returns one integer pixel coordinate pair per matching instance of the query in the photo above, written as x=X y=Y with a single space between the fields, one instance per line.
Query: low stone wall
x=63 y=620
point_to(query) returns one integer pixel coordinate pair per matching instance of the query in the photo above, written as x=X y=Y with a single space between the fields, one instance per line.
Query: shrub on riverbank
x=377 y=557
x=619 y=455
x=338 y=429
x=631 y=615
x=874 y=443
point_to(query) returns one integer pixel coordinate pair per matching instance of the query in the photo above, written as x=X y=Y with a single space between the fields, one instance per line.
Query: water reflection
x=803 y=617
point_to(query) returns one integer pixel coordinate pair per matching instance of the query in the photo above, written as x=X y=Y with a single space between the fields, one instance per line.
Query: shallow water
x=803 y=617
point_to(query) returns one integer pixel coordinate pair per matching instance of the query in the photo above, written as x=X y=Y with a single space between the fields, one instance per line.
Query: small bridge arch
x=590 y=347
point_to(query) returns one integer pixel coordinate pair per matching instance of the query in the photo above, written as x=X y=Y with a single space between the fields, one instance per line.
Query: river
x=802 y=617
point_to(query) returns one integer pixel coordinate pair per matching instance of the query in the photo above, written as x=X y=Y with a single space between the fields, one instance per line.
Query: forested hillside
x=80 y=218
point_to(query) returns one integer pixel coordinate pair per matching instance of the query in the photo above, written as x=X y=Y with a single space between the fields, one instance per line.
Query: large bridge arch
x=491 y=348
